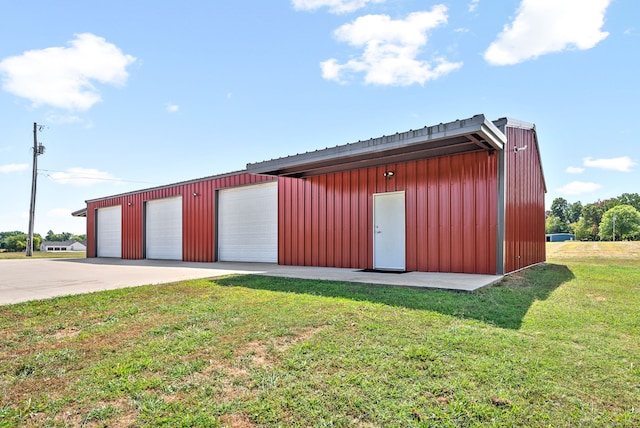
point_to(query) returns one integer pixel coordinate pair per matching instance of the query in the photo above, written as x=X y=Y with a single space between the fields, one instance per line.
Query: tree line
x=17 y=241
x=613 y=219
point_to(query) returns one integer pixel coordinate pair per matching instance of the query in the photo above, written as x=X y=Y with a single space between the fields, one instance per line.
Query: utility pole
x=38 y=149
x=614 y=227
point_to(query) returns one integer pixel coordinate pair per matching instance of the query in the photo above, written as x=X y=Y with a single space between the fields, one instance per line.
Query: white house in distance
x=71 y=245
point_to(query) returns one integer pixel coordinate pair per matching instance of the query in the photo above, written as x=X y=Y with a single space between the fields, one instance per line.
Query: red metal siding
x=327 y=220
x=450 y=215
x=198 y=216
x=524 y=197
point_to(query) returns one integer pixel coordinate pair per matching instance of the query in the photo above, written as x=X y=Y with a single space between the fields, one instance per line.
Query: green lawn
x=555 y=345
x=44 y=255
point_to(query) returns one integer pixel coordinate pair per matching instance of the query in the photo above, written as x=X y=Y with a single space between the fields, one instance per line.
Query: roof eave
x=80 y=213
x=460 y=136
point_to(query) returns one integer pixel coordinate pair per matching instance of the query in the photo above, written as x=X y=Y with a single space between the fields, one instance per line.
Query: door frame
x=376 y=262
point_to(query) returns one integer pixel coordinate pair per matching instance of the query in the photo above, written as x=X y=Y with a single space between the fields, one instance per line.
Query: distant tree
x=79 y=237
x=592 y=215
x=582 y=231
x=632 y=199
x=16 y=242
x=574 y=212
x=627 y=223
x=560 y=209
x=11 y=233
x=554 y=225
x=610 y=203
x=59 y=237
x=37 y=240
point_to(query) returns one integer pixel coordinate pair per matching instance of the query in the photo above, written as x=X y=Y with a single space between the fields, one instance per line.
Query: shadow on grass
x=503 y=305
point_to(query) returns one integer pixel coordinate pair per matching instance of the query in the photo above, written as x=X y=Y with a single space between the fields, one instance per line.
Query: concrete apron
x=23 y=280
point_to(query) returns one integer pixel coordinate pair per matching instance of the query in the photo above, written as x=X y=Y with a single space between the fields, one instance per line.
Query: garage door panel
x=248 y=223
x=109 y=233
x=163 y=233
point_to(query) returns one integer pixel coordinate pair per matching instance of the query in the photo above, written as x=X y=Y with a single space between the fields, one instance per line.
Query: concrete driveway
x=22 y=280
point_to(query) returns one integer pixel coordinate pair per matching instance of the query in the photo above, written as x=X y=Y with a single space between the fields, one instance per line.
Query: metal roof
x=164 y=186
x=460 y=136
x=80 y=213
x=62 y=243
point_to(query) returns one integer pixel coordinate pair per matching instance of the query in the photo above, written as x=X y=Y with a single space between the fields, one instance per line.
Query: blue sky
x=134 y=94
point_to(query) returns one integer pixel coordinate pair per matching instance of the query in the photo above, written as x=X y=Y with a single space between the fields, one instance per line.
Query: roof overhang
x=461 y=136
x=80 y=213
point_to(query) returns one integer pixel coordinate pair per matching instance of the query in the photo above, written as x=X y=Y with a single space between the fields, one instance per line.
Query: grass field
x=44 y=255
x=555 y=345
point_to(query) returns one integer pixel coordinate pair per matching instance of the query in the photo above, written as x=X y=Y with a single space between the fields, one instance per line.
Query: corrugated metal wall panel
x=444 y=214
x=450 y=215
x=411 y=212
x=198 y=216
x=327 y=220
x=524 y=211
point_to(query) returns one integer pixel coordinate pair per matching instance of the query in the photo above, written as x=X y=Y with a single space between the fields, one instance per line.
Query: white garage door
x=248 y=223
x=164 y=229
x=109 y=232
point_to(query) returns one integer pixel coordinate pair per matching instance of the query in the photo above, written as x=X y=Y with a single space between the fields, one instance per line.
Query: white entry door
x=389 y=231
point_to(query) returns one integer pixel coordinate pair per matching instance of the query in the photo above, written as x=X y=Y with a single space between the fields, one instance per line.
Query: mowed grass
x=44 y=255
x=555 y=345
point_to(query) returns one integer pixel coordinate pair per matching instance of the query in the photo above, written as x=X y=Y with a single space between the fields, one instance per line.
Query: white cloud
x=473 y=5
x=172 y=108
x=82 y=176
x=59 y=213
x=334 y=6
x=579 y=187
x=575 y=170
x=64 y=77
x=622 y=164
x=390 y=49
x=545 y=26
x=13 y=167
x=62 y=119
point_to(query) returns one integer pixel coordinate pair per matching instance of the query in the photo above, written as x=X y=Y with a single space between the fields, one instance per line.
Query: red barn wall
x=451 y=216
x=327 y=220
x=524 y=201
x=198 y=216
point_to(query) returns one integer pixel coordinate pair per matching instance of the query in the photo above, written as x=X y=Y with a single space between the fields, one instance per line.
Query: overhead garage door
x=109 y=232
x=248 y=223
x=164 y=229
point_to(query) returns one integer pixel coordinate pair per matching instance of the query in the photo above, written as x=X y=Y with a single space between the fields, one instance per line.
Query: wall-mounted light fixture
x=129 y=203
x=388 y=174
x=519 y=149
x=195 y=193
